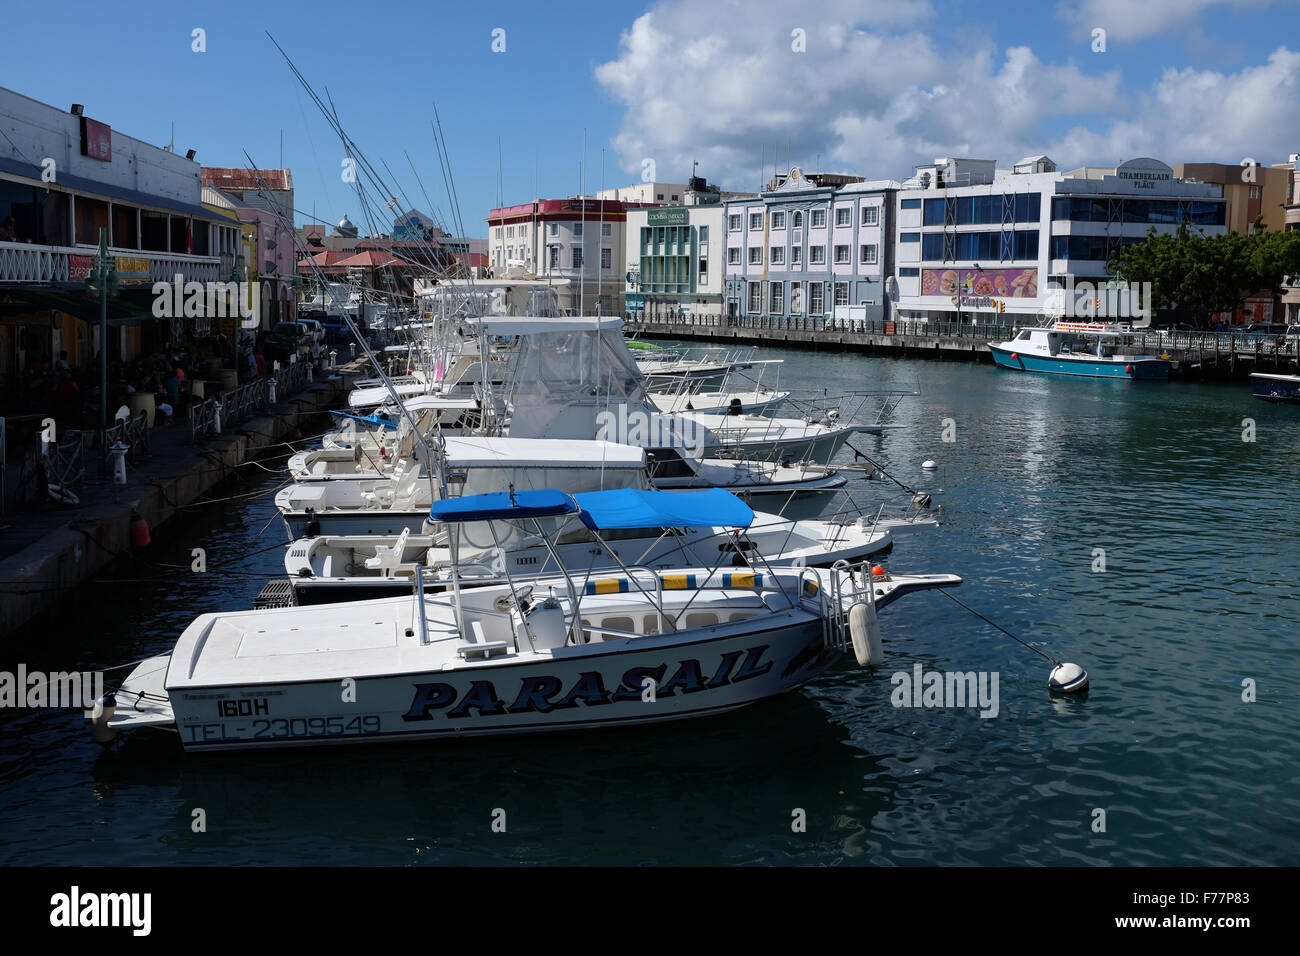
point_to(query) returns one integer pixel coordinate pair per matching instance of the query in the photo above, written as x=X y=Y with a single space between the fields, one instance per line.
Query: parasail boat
x=555 y=652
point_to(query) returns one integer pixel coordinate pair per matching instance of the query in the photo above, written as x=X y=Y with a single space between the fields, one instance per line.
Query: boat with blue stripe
x=1091 y=350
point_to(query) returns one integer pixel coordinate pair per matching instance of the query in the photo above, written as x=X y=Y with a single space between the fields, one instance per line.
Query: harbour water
x=1200 y=540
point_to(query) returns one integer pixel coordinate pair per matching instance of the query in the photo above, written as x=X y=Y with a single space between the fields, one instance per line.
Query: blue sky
x=880 y=85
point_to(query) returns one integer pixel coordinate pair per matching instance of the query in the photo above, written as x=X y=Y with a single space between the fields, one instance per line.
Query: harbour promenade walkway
x=1195 y=353
x=51 y=548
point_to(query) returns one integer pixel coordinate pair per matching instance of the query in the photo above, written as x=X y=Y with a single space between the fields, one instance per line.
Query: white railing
x=22 y=262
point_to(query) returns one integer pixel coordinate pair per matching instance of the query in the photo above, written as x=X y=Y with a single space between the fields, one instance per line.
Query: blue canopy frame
x=503 y=505
x=633 y=508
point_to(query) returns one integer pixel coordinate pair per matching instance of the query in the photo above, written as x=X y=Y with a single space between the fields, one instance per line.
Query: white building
x=580 y=239
x=975 y=243
x=674 y=263
x=648 y=193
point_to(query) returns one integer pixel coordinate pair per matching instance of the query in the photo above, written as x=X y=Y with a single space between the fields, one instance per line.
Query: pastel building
x=674 y=261
x=810 y=247
x=974 y=243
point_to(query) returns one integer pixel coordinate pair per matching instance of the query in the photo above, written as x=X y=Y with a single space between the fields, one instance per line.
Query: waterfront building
x=64 y=177
x=673 y=261
x=582 y=239
x=1291 y=297
x=814 y=246
x=974 y=243
x=263 y=203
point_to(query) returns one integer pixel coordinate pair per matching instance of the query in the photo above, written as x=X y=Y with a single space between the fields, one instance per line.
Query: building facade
x=673 y=263
x=977 y=244
x=579 y=239
x=810 y=247
x=64 y=178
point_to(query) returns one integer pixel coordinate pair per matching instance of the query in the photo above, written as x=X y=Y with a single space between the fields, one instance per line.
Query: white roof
x=536 y=325
x=543 y=452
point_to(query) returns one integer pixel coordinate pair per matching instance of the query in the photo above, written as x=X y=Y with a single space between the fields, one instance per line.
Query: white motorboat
x=329 y=568
x=552 y=653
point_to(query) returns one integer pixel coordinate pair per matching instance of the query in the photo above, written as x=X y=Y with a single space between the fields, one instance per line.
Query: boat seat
x=480 y=645
x=776 y=601
x=387 y=560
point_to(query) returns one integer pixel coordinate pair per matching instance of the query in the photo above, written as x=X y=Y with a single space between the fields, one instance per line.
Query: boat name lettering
x=539 y=693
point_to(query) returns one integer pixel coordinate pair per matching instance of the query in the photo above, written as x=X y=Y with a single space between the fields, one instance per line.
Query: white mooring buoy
x=1068 y=679
x=929 y=464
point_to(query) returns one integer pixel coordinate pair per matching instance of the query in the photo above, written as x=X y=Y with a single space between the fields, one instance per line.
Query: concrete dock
x=46 y=555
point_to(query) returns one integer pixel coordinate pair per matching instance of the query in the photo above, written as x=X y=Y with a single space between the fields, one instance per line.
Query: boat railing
x=849 y=584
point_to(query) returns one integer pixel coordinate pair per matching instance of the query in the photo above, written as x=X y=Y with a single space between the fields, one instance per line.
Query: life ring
x=62 y=495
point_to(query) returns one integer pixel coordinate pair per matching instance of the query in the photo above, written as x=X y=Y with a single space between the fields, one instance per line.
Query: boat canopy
x=634 y=508
x=539 y=325
x=503 y=505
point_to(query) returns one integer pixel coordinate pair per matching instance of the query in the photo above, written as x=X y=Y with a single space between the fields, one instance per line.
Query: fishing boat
x=1094 y=350
x=551 y=653
x=1274 y=387
x=328 y=568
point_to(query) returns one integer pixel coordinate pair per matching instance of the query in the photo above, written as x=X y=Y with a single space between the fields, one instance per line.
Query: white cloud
x=1134 y=19
x=725 y=88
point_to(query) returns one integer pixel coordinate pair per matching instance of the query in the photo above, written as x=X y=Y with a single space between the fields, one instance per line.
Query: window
x=867 y=255
x=1256 y=192
x=844 y=216
x=841 y=293
x=510 y=232
x=910 y=204
x=674 y=197
x=841 y=255
x=909 y=272
x=990 y=210
x=756 y=297
x=778 y=220
x=777 y=254
x=577 y=257
x=704 y=233
x=870 y=215
x=607 y=229
x=796 y=255
x=818 y=218
x=796 y=298
x=704 y=270
x=577 y=229
x=606 y=258
x=733 y=256
x=755 y=255
x=733 y=223
x=659 y=196
x=755 y=220
x=817 y=255
x=816 y=298
x=496 y=233
x=776 y=300
x=973 y=246
x=797 y=221
x=555 y=256
x=911 y=236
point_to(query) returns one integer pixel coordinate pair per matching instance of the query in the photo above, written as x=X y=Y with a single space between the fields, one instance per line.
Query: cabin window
x=701 y=619
x=1023 y=336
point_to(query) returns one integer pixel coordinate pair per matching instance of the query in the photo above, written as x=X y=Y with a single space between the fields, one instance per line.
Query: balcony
x=23 y=263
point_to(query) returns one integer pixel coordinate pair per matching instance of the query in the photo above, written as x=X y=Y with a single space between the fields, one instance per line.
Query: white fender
x=62 y=495
x=864 y=628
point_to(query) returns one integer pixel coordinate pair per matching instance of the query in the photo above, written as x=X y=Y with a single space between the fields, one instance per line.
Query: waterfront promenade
x=1209 y=354
x=49 y=552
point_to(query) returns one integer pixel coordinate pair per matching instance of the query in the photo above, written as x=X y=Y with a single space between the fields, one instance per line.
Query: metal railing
x=245 y=401
x=205 y=419
x=132 y=432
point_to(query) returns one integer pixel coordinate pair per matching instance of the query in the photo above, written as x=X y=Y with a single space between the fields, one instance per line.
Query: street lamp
x=102 y=279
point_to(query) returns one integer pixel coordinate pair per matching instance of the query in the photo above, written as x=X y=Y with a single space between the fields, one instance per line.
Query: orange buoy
x=877 y=572
x=139 y=530
x=1128 y=369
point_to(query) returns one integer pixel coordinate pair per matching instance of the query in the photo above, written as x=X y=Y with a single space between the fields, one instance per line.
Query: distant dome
x=345 y=228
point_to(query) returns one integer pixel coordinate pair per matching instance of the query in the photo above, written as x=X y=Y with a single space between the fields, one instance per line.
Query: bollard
x=118 y=450
x=216 y=418
x=270 y=399
x=333 y=357
x=353 y=347
x=309 y=373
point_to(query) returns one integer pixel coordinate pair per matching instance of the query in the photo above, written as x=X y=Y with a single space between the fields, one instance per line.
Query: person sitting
x=8 y=231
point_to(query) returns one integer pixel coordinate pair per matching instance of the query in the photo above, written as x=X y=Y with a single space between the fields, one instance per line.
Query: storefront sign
x=667 y=217
x=96 y=140
x=131 y=268
x=79 y=267
x=1003 y=283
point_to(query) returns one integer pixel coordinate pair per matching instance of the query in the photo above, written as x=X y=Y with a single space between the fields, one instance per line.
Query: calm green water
x=1200 y=535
